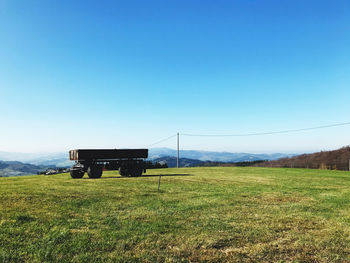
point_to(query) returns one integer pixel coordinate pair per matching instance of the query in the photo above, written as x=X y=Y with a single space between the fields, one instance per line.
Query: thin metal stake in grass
x=160 y=176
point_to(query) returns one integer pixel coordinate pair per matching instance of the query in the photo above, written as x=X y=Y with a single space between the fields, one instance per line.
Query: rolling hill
x=336 y=160
x=14 y=168
x=214 y=156
x=183 y=162
x=59 y=159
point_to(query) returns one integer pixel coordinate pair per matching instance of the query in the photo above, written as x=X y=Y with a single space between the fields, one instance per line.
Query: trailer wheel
x=76 y=173
x=94 y=171
x=136 y=172
x=123 y=171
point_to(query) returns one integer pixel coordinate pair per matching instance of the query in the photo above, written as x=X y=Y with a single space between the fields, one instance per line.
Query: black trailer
x=129 y=162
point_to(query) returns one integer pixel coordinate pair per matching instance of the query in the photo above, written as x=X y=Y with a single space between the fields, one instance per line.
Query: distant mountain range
x=186 y=162
x=14 y=168
x=155 y=153
x=15 y=164
x=60 y=159
x=183 y=162
x=31 y=163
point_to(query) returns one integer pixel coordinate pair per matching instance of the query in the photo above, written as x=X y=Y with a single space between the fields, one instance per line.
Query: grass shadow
x=157 y=175
x=146 y=175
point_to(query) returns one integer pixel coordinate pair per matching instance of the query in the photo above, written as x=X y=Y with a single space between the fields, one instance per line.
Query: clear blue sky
x=78 y=74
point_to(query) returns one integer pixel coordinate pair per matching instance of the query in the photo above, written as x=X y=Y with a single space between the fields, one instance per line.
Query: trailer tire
x=123 y=171
x=76 y=173
x=136 y=172
x=94 y=171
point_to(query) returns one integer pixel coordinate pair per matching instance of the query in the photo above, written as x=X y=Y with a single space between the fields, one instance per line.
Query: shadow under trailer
x=129 y=162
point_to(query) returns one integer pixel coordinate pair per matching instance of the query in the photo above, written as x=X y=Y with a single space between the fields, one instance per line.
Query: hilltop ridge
x=334 y=160
x=15 y=168
x=215 y=156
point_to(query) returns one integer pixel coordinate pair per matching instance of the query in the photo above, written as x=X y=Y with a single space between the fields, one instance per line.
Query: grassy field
x=200 y=214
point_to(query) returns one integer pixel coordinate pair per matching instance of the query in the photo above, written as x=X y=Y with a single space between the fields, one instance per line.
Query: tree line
x=332 y=160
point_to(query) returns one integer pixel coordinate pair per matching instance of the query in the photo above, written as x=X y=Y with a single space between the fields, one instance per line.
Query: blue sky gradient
x=81 y=74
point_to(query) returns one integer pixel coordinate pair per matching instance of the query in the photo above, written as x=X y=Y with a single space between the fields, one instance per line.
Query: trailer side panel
x=107 y=154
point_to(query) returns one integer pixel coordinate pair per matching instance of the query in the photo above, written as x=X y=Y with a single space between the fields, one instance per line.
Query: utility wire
x=163 y=140
x=251 y=134
x=266 y=133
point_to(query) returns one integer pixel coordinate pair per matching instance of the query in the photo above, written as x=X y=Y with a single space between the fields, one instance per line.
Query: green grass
x=201 y=214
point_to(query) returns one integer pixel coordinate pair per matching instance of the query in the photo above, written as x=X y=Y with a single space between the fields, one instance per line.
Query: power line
x=251 y=134
x=266 y=133
x=163 y=140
